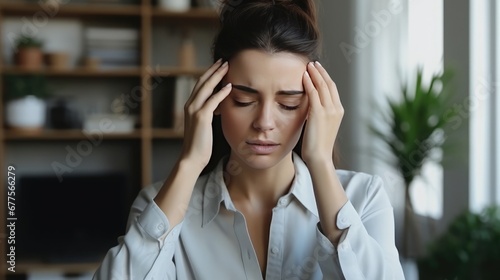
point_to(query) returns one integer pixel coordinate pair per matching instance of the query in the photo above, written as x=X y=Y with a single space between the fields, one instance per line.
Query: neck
x=260 y=186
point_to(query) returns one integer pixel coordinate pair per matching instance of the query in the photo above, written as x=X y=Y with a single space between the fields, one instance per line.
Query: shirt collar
x=215 y=191
x=302 y=187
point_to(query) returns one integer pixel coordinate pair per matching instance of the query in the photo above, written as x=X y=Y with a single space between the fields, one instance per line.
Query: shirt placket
x=250 y=263
x=276 y=234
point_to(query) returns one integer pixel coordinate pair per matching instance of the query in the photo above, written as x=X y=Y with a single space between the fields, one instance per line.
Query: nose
x=264 y=120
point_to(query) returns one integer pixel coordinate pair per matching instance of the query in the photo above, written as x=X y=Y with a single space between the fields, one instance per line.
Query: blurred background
x=92 y=93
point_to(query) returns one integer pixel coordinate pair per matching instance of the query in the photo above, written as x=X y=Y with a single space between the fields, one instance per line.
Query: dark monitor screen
x=78 y=219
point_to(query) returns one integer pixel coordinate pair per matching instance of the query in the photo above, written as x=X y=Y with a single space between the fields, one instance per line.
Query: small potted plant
x=469 y=249
x=25 y=105
x=28 y=53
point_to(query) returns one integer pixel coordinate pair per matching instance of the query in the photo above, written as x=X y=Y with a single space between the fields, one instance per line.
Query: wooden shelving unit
x=164 y=72
x=77 y=72
x=66 y=134
x=196 y=14
x=146 y=15
x=18 y=8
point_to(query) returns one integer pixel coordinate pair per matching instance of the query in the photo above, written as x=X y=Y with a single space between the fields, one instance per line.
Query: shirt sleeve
x=366 y=249
x=146 y=250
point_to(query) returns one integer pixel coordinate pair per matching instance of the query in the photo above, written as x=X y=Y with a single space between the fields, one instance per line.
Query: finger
x=208 y=87
x=210 y=71
x=311 y=91
x=320 y=85
x=334 y=93
x=207 y=74
x=217 y=98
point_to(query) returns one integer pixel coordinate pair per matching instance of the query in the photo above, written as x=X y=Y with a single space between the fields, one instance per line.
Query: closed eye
x=289 y=108
x=284 y=107
x=241 y=104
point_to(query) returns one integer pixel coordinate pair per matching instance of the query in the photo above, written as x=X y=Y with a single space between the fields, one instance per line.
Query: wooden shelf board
x=122 y=72
x=27 y=9
x=176 y=71
x=193 y=14
x=77 y=72
x=65 y=134
x=166 y=133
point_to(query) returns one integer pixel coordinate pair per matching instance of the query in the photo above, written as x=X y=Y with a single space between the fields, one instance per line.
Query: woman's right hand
x=198 y=115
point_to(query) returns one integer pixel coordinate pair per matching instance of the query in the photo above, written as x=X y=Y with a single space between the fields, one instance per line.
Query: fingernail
x=317 y=62
x=307 y=74
x=312 y=64
x=228 y=85
x=225 y=64
x=219 y=60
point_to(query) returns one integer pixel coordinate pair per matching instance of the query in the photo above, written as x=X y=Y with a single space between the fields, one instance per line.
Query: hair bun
x=306 y=6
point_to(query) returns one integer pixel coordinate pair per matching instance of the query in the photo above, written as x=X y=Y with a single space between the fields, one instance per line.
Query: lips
x=262 y=147
x=262 y=142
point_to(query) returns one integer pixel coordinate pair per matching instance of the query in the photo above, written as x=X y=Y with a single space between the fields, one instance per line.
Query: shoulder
x=362 y=188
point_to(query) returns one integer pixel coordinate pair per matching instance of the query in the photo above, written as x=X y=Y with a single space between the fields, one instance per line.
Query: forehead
x=259 y=70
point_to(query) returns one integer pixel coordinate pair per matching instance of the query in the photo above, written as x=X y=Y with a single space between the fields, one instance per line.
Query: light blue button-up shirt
x=212 y=242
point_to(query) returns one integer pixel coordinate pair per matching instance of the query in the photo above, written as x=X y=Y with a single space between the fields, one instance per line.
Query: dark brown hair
x=271 y=26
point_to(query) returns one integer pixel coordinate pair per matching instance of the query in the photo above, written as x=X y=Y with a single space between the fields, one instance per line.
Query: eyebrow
x=279 y=92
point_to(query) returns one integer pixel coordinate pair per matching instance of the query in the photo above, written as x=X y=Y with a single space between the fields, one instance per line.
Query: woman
x=248 y=205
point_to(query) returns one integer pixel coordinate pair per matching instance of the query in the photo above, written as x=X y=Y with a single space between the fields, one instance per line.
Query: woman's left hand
x=324 y=116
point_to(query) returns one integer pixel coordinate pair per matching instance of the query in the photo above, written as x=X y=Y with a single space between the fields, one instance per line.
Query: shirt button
x=275 y=250
x=343 y=222
x=283 y=202
x=159 y=227
x=344 y=247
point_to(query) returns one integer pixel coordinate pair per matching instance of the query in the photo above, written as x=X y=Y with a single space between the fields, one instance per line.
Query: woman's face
x=263 y=116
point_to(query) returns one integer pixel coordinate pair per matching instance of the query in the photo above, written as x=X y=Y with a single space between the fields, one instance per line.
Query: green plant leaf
x=414 y=122
x=18 y=86
x=26 y=41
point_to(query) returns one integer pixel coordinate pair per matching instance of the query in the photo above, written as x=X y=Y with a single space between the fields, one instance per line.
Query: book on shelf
x=125 y=56
x=108 y=44
x=112 y=33
x=106 y=2
x=113 y=47
x=183 y=87
x=210 y=4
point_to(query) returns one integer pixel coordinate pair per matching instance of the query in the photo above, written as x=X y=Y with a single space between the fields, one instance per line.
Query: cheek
x=233 y=121
x=298 y=118
x=296 y=123
x=230 y=112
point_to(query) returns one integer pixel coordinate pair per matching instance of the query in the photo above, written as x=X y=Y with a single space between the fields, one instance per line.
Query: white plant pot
x=27 y=112
x=175 y=5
